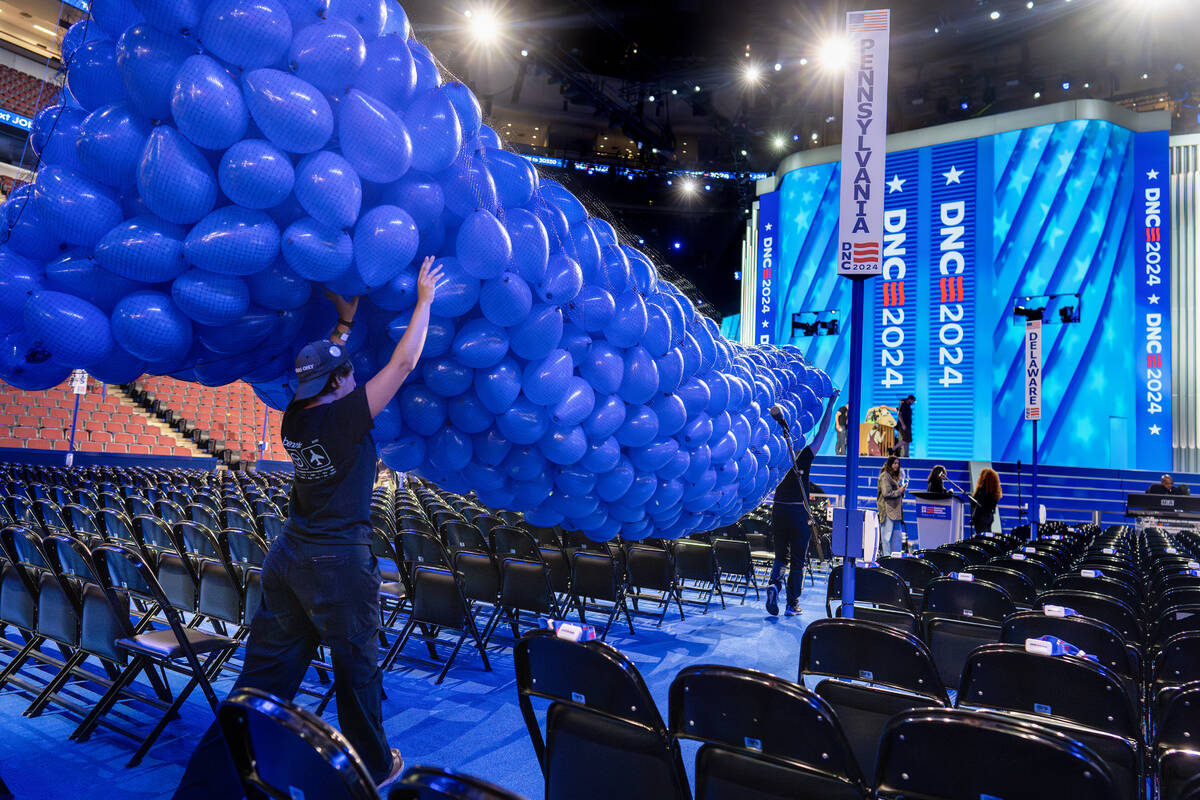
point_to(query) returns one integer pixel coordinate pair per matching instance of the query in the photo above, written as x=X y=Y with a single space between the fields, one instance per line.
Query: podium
x=939 y=518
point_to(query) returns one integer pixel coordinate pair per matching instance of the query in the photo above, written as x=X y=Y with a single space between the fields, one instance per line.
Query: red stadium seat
x=11 y=442
x=25 y=432
x=139 y=450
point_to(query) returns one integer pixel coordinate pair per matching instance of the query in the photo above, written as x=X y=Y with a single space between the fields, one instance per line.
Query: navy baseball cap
x=314 y=365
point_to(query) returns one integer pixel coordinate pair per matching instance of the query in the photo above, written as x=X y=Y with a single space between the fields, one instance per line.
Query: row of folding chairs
x=762 y=736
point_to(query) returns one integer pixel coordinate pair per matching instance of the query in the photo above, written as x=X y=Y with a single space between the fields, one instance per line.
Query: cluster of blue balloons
x=212 y=165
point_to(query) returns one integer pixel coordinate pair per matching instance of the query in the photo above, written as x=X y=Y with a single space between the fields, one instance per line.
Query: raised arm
x=346 y=309
x=823 y=428
x=383 y=387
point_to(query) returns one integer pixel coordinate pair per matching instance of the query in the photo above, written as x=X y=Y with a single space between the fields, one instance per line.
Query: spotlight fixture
x=751 y=74
x=834 y=54
x=778 y=66
x=484 y=25
x=995 y=15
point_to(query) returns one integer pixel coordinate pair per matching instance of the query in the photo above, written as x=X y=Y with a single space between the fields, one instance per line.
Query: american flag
x=868 y=21
x=866 y=252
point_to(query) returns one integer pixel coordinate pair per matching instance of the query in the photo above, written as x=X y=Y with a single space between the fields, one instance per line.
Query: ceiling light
x=752 y=74
x=778 y=66
x=779 y=142
x=651 y=98
x=524 y=54
x=44 y=30
x=484 y=25
x=995 y=15
x=1029 y=4
x=1037 y=95
x=697 y=88
x=814 y=136
x=804 y=62
x=688 y=186
x=834 y=54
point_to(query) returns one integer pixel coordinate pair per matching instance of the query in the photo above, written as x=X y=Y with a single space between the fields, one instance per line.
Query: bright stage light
x=751 y=74
x=834 y=54
x=779 y=142
x=778 y=66
x=689 y=186
x=995 y=15
x=484 y=25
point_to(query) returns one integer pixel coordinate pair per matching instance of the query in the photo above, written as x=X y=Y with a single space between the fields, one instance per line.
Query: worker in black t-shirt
x=790 y=523
x=320 y=580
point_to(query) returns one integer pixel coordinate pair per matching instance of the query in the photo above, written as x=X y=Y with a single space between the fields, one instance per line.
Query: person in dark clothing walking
x=320 y=581
x=790 y=523
x=841 y=424
x=905 y=426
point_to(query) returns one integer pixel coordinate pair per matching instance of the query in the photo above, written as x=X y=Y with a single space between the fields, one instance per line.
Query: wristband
x=348 y=324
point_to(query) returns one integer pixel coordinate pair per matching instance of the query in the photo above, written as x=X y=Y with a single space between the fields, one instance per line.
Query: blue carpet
x=471 y=722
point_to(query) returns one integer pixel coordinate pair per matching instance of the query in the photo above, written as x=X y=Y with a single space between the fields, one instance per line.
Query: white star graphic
x=1155 y=430
x=770 y=227
x=896 y=184
x=953 y=176
x=1152 y=174
x=766 y=323
x=1153 y=299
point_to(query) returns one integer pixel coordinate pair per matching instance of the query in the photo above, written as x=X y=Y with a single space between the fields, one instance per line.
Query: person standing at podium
x=936 y=483
x=1167 y=486
x=790 y=524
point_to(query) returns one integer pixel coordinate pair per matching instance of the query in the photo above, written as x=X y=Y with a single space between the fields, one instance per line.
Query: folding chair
x=1107 y=609
x=696 y=562
x=958 y=616
x=652 y=569
x=283 y=751
x=734 y=561
x=599 y=578
x=438 y=602
x=872 y=672
x=176 y=648
x=1016 y=584
x=430 y=783
x=952 y=754
x=763 y=737
x=601 y=713
x=1090 y=635
x=1175 y=754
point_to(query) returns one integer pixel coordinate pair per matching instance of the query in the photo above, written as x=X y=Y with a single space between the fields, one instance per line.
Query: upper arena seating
x=42 y=421
x=23 y=93
x=226 y=421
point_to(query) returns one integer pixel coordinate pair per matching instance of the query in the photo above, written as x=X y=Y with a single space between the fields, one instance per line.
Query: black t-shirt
x=334 y=456
x=789 y=488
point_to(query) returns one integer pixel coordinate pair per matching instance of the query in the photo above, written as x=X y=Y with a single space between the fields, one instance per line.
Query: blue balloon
x=577 y=342
x=74 y=330
x=449 y=450
x=604 y=368
x=587 y=249
x=110 y=144
x=545 y=382
x=278 y=288
x=246 y=33
x=639 y=382
x=420 y=196
x=564 y=444
x=26 y=363
x=148 y=325
x=488 y=138
x=469 y=414
x=530 y=244
x=207 y=104
x=614 y=267
x=244 y=335
x=539 y=333
x=602 y=456
x=148 y=60
x=368 y=16
x=423 y=411
x=446 y=376
x=670 y=370
x=553 y=193
x=53 y=136
x=389 y=73
x=516 y=179
x=77 y=209
x=348 y=284
x=641 y=271
x=480 y=344
x=329 y=55
x=174 y=179
x=555 y=223
x=506 y=300
x=563 y=280
x=499 y=386
x=385 y=241
x=613 y=485
x=233 y=241
x=292 y=113
x=173 y=16
x=114 y=16
x=93 y=78
x=491 y=448
x=525 y=422
x=484 y=249
x=329 y=189
x=459 y=291
x=577 y=403
x=428 y=74
x=26 y=233
x=398 y=294
x=118 y=367
x=256 y=174
x=629 y=322
x=80 y=274
x=608 y=416
x=468 y=186
x=672 y=415
x=209 y=298
x=592 y=309
x=373 y=138
x=303 y=13
x=317 y=251
x=470 y=115
x=435 y=130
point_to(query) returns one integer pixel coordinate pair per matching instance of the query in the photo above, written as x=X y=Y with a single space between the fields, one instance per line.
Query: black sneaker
x=772 y=600
x=394 y=774
x=793 y=610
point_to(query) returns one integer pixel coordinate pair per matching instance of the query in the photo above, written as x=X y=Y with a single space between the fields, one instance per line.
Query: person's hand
x=836 y=392
x=427 y=280
x=346 y=309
